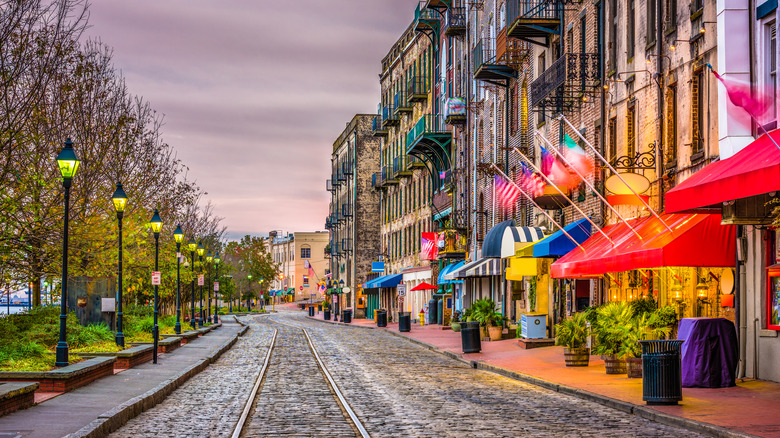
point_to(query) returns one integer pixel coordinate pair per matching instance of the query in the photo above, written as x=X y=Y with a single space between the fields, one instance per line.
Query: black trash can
x=319 y=308
x=381 y=318
x=326 y=317
x=405 y=322
x=433 y=305
x=661 y=372
x=311 y=310
x=469 y=337
x=346 y=316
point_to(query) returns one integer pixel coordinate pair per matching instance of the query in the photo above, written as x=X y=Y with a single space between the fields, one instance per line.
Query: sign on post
x=156 y=278
x=300 y=288
x=216 y=286
x=401 y=288
x=201 y=280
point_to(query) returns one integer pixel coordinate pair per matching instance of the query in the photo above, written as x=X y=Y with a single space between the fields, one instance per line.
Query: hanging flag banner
x=428 y=248
x=216 y=286
x=201 y=281
x=506 y=193
x=156 y=278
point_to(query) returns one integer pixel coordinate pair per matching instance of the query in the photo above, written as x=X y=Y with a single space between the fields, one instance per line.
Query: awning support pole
x=587 y=183
x=537 y=206
x=564 y=195
x=562 y=117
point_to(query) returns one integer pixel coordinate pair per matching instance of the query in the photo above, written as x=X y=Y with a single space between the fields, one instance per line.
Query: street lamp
x=156 y=224
x=192 y=246
x=338 y=303
x=119 y=198
x=209 y=258
x=249 y=294
x=216 y=287
x=68 y=164
x=178 y=236
x=201 y=250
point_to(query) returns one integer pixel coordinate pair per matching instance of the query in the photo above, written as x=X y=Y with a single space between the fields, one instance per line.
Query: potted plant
x=613 y=322
x=326 y=310
x=495 y=326
x=647 y=325
x=455 y=322
x=572 y=334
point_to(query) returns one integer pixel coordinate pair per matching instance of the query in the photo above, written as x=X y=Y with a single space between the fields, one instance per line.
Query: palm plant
x=572 y=332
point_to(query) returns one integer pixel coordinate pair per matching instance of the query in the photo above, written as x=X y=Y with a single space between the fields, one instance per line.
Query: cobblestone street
x=395 y=387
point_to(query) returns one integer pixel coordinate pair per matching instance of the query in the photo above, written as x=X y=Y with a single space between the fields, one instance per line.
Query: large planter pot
x=495 y=333
x=634 y=367
x=455 y=326
x=576 y=357
x=614 y=365
x=483 y=333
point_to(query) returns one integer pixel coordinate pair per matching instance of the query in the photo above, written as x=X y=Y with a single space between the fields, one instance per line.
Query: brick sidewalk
x=751 y=407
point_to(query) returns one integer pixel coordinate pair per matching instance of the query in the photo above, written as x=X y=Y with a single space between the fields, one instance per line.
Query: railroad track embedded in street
x=289 y=382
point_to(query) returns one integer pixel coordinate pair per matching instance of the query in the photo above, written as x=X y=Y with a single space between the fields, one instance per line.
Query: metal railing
x=376 y=180
x=423 y=13
x=538 y=9
x=484 y=52
x=575 y=70
x=346 y=167
x=417 y=88
x=329 y=185
x=376 y=123
x=346 y=209
x=346 y=245
x=455 y=18
x=388 y=114
x=428 y=123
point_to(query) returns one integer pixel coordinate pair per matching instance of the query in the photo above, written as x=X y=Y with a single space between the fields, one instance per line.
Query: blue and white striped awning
x=484 y=267
x=514 y=235
x=446 y=276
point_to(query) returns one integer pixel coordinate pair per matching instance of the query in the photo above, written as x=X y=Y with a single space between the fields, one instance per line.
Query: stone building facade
x=355 y=205
x=294 y=252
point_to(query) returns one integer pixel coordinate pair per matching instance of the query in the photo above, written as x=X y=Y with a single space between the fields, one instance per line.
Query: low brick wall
x=66 y=378
x=16 y=395
x=133 y=356
x=186 y=337
x=169 y=344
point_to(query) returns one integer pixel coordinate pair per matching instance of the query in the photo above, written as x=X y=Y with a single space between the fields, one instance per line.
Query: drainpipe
x=738 y=288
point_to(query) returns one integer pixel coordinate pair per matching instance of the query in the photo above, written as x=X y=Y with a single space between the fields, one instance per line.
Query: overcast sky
x=255 y=92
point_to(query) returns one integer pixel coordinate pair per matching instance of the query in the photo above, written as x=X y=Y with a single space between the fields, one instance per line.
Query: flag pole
x=585 y=180
x=562 y=117
x=537 y=206
x=564 y=195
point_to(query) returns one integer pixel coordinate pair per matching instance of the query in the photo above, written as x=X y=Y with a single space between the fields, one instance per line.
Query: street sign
x=401 y=288
x=216 y=286
x=300 y=288
x=201 y=281
x=156 y=278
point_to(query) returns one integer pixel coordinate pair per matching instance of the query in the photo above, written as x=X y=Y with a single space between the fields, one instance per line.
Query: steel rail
x=251 y=400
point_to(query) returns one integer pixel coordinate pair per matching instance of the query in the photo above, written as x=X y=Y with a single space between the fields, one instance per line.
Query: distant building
x=294 y=253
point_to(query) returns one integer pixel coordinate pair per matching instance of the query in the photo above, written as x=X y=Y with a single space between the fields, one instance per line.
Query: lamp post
x=209 y=258
x=262 y=295
x=341 y=287
x=192 y=246
x=119 y=199
x=178 y=236
x=68 y=164
x=249 y=294
x=201 y=250
x=216 y=286
x=156 y=224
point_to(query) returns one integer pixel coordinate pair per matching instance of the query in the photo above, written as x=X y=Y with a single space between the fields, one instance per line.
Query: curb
x=117 y=417
x=626 y=407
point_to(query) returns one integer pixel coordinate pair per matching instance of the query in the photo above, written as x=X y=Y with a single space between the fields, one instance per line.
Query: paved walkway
x=750 y=407
x=69 y=412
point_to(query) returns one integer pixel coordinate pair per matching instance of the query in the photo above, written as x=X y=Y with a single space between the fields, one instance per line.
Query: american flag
x=536 y=185
x=506 y=192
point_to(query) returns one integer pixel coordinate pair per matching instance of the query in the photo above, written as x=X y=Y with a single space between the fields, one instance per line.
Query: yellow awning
x=523 y=249
x=520 y=267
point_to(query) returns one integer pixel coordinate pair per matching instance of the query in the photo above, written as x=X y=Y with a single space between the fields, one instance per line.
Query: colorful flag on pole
x=547 y=160
x=740 y=95
x=577 y=157
x=506 y=192
x=428 y=248
x=536 y=185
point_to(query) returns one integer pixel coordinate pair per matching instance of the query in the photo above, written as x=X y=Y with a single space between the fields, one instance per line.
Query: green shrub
x=91 y=334
x=572 y=332
x=642 y=306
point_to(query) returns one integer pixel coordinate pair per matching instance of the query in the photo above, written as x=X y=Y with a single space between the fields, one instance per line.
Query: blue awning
x=558 y=244
x=384 y=281
x=491 y=247
x=452 y=267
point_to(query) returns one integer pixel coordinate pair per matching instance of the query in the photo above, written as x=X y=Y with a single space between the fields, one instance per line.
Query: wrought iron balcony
x=376 y=181
x=455 y=21
x=327 y=223
x=568 y=79
x=413 y=163
x=387 y=176
x=335 y=177
x=425 y=19
x=401 y=103
x=340 y=176
x=417 y=88
x=533 y=20
x=329 y=186
x=376 y=126
x=347 y=168
x=489 y=66
x=346 y=209
x=400 y=168
x=346 y=245
x=428 y=127
x=389 y=116
x=334 y=248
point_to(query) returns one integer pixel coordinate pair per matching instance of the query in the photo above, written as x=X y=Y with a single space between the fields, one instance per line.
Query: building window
x=671 y=125
x=305 y=280
x=631 y=132
x=630 y=30
x=542 y=67
x=651 y=20
x=305 y=253
x=612 y=140
x=670 y=21
x=697 y=5
x=613 y=10
x=697 y=113
x=583 y=32
x=771 y=76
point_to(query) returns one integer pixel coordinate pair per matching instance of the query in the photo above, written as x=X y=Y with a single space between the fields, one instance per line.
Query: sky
x=255 y=92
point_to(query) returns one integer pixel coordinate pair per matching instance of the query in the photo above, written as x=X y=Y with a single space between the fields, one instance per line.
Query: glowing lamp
x=192 y=245
x=209 y=257
x=178 y=234
x=156 y=223
x=201 y=249
x=67 y=161
x=119 y=198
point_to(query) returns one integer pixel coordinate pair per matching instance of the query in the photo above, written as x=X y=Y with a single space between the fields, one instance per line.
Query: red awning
x=755 y=170
x=699 y=240
x=424 y=286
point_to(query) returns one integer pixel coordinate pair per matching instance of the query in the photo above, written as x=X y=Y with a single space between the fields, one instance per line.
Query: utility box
x=533 y=325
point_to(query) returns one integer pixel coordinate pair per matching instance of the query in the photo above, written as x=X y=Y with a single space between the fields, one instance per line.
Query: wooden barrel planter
x=576 y=357
x=614 y=365
x=634 y=367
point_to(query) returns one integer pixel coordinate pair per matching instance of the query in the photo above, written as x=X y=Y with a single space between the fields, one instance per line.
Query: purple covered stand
x=709 y=353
